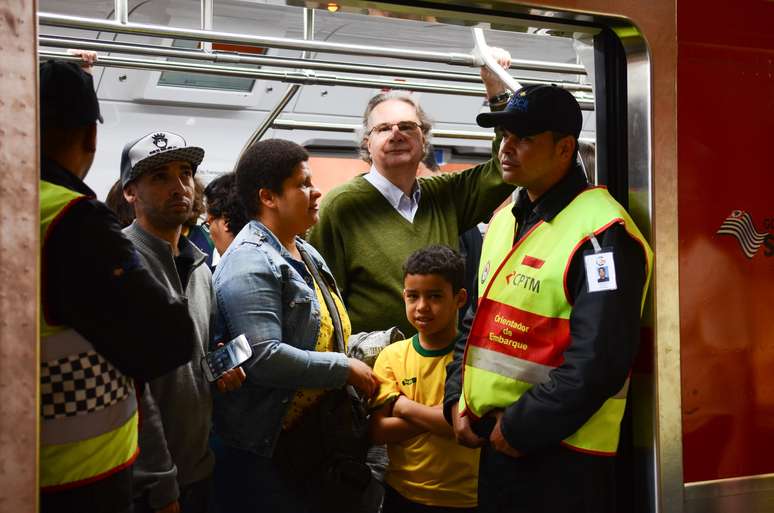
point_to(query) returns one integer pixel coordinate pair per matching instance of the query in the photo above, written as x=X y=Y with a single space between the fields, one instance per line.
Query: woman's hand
x=362 y=378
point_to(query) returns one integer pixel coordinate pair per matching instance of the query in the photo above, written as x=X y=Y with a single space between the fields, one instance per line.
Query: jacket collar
x=52 y=172
x=257 y=233
x=555 y=199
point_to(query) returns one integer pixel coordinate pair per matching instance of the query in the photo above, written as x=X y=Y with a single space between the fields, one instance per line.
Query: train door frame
x=649 y=70
x=19 y=164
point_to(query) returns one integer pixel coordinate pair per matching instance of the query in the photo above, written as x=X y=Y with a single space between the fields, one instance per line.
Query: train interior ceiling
x=220 y=113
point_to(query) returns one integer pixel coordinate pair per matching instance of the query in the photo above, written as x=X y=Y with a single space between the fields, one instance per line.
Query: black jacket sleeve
x=453 y=388
x=93 y=282
x=605 y=333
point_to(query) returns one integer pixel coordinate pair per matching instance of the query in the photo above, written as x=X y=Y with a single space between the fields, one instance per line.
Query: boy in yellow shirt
x=428 y=470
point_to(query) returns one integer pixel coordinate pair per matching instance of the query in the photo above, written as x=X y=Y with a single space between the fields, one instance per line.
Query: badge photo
x=600 y=271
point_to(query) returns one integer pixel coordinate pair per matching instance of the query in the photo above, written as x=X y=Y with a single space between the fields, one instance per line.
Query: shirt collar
x=52 y=172
x=555 y=199
x=389 y=190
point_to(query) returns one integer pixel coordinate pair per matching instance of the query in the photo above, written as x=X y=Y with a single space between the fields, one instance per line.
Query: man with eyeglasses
x=371 y=224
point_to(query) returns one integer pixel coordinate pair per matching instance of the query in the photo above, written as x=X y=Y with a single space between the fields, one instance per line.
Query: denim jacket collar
x=258 y=233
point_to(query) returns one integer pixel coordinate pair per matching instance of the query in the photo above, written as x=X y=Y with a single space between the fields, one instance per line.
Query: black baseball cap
x=535 y=109
x=152 y=150
x=67 y=96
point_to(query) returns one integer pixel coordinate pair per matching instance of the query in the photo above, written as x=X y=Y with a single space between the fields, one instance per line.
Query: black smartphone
x=227 y=357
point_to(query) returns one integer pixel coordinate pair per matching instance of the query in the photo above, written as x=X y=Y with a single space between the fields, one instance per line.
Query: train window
x=204 y=81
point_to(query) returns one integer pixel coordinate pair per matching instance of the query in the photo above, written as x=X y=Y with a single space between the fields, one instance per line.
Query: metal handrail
x=482 y=52
x=280 y=62
x=289 y=124
x=288 y=77
x=121 y=12
x=461 y=59
x=437 y=133
x=289 y=93
x=208 y=16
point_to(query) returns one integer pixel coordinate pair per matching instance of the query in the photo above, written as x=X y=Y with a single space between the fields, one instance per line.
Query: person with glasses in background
x=370 y=225
x=225 y=213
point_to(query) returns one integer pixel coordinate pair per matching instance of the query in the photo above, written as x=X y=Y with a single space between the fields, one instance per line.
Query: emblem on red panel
x=740 y=226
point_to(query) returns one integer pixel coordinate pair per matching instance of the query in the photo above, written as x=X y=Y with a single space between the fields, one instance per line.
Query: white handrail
x=483 y=55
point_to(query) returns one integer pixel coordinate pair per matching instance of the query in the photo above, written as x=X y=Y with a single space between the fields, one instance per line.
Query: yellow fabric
x=427 y=469
x=554 y=243
x=53 y=199
x=78 y=461
x=326 y=341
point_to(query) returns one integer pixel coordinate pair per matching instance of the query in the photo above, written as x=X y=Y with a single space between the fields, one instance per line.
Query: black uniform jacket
x=92 y=281
x=604 y=326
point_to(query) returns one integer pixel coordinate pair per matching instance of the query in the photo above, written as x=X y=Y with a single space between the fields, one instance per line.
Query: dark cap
x=535 y=109
x=67 y=96
x=152 y=150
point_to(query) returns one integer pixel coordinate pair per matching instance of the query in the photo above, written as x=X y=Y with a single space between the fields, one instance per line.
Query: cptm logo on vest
x=523 y=281
x=740 y=226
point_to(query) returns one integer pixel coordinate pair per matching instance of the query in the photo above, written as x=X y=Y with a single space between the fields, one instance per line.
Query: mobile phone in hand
x=229 y=356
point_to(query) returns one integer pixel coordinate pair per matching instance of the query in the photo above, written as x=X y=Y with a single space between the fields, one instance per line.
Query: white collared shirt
x=405 y=205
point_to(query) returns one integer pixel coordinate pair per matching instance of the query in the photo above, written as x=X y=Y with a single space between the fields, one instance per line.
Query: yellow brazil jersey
x=326 y=341
x=427 y=469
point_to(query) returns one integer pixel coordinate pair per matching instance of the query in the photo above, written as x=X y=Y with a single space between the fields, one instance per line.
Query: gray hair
x=587 y=152
x=424 y=120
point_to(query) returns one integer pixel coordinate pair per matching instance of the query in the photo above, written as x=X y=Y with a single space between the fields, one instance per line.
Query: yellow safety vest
x=522 y=324
x=88 y=427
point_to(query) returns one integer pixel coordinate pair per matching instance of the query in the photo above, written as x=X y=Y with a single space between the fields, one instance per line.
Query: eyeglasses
x=404 y=127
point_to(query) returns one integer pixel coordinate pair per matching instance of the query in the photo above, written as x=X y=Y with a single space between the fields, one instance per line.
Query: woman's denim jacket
x=269 y=296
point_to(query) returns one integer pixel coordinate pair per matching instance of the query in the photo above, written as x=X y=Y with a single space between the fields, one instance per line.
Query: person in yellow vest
x=542 y=383
x=104 y=319
x=428 y=471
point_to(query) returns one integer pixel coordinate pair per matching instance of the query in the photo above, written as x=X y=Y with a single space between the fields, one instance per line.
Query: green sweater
x=365 y=241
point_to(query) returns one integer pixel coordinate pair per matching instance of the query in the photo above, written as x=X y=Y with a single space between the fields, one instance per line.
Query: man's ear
x=130 y=193
x=566 y=146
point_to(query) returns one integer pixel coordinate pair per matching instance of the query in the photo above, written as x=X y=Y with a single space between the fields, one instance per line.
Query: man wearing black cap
x=173 y=471
x=103 y=316
x=549 y=347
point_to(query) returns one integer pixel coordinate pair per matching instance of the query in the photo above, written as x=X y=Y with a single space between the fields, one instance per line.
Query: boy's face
x=431 y=306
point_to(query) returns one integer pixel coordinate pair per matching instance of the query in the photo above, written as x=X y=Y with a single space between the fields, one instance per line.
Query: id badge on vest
x=600 y=268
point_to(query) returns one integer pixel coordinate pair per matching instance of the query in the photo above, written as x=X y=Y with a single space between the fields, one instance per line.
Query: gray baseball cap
x=153 y=150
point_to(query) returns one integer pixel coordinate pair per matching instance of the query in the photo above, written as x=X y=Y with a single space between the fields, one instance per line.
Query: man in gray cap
x=103 y=317
x=549 y=351
x=174 y=468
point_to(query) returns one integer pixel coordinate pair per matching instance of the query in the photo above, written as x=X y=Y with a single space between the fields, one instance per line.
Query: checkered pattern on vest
x=79 y=384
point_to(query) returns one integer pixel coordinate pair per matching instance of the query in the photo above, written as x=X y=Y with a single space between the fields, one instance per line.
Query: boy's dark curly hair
x=265 y=165
x=223 y=201
x=440 y=260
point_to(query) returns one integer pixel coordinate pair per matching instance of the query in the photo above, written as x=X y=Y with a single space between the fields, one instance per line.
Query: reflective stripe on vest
x=89 y=418
x=522 y=324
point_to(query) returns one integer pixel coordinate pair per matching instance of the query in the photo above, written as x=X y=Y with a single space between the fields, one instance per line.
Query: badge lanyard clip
x=595 y=243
